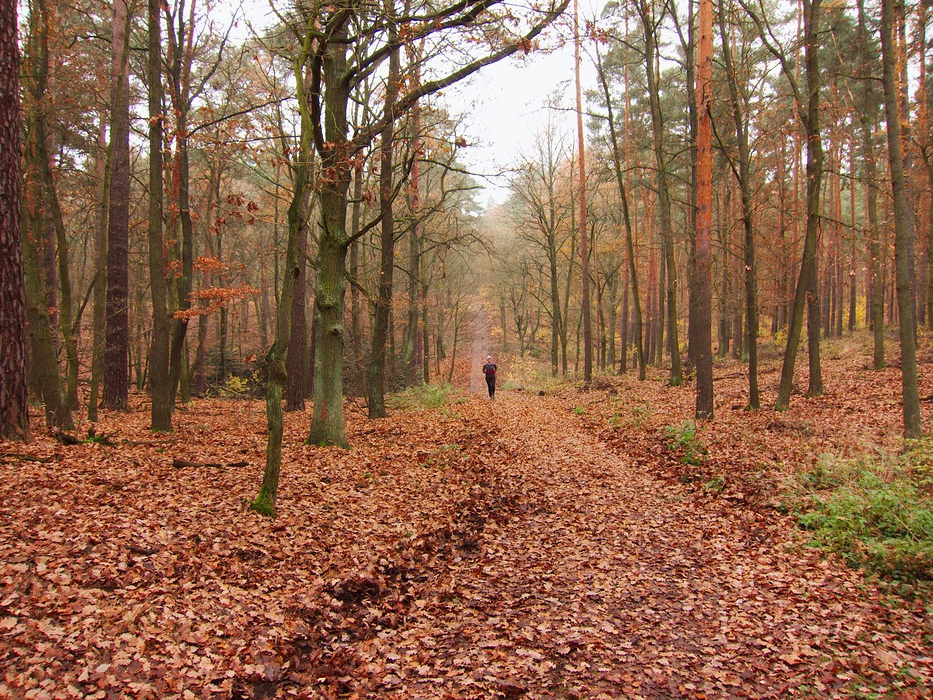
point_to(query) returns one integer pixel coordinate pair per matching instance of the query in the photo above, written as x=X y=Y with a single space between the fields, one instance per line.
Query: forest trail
x=483 y=549
x=585 y=578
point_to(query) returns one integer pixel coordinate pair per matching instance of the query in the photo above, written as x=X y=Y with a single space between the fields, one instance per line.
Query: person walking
x=489 y=369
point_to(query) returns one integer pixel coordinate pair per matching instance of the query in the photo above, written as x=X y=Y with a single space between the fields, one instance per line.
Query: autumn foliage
x=535 y=546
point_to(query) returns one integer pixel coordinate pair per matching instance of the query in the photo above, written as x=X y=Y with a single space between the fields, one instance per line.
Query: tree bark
x=806 y=295
x=584 y=249
x=14 y=413
x=115 y=367
x=704 y=201
x=159 y=349
x=377 y=368
x=663 y=191
x=744 y=178
x=905 y=302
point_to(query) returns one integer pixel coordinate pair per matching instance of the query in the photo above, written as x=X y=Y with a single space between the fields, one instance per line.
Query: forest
x=247 y=283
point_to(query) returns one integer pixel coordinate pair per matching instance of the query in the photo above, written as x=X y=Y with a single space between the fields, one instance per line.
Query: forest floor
x=533 y=546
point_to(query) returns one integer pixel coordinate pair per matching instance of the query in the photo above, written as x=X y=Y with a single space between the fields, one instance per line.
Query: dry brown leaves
x=496 y=549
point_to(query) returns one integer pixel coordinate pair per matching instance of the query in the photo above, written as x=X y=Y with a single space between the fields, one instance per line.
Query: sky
x=505 y=105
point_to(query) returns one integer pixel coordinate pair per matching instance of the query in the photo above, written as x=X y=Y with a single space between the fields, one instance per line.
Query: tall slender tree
x=581 y=165
x=905 y=301
x=159 y=348
x=704 y=201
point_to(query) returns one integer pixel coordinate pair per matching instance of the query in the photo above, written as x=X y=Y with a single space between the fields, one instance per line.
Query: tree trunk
x=806 y=295
x=744 y=177
x=116 y=344
x=664 y=205
x=159 y=350
x=704 y=201
x=868 y=120
x=377 y=368
x=14 y=413
x=905 y=303
x=41 y=340
x=298 y=340
x=584 y=250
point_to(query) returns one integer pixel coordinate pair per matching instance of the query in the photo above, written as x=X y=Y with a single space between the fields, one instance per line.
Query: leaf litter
x=516 y=548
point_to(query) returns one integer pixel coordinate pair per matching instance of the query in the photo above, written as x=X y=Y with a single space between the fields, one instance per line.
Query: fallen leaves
x=493 y=550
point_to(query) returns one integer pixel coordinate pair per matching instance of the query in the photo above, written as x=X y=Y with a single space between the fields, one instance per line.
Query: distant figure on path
x=489 y=369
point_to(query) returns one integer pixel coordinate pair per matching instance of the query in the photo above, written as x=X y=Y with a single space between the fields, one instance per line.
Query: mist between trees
x=287 y=215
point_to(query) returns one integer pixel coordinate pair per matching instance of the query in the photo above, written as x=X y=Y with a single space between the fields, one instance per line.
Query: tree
x=581 y=164
x=650 y=23
x=868 y=119
x=743 y=176
x=335 y=74
x=806 y=296
x=159 y=350
x=117 y=190
x=626 y=217
x=905 y=302
x=14 y=414
x=377 y=368
x=704 y=200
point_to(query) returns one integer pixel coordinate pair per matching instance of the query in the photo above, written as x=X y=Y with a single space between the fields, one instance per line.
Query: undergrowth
x=430 y=396
x=877 y=512
x=683 y=439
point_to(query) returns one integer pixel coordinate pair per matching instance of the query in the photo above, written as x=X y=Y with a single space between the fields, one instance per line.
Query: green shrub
x=682 y=438
x=876 y=512
x=424 y=396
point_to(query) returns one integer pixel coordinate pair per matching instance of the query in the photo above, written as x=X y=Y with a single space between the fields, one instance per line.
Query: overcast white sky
x=505 y=104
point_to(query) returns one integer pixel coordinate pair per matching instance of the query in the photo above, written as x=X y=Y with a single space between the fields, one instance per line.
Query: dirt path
x=579 y=577
x=477 y=550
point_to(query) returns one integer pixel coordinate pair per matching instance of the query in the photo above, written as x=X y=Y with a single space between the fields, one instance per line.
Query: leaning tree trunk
x=814 y=179
x=905 y=302
x=265 y=500
x=14 y=413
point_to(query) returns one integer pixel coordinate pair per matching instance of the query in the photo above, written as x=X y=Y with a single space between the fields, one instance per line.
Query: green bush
x=423 y=396
x=683 y=438
x=876 y=512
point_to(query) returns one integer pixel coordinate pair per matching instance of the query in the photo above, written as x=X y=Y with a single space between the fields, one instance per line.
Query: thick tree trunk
x=115 y=368
x=14 y=413
x=41 y=340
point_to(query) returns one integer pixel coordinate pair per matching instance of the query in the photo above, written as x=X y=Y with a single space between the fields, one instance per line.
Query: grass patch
x=877 y=511
x=683 y=439
x=431 y=396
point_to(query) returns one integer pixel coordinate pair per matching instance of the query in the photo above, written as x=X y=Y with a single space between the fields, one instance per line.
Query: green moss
x=264 y=504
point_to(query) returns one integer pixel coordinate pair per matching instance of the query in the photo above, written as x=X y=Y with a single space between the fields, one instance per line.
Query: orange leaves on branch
x=212 y=299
